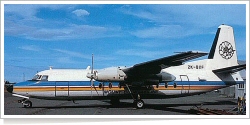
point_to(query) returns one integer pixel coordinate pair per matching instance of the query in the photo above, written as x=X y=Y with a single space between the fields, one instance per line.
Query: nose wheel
x=26 y=103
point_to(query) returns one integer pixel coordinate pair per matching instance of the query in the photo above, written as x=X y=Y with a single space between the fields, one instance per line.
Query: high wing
x=231 y=69
x=155 y=66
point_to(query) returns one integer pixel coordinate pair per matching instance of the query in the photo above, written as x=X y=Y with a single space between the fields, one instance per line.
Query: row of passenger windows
x=110 y=85
x=166 y=85
x=41 y=77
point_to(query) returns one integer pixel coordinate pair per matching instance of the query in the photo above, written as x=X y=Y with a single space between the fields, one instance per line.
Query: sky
x=37 y=36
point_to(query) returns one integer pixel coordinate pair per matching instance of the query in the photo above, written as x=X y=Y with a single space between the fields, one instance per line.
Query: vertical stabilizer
x=223 y=51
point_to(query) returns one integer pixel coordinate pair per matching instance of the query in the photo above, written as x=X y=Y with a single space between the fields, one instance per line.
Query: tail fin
x=223 y=51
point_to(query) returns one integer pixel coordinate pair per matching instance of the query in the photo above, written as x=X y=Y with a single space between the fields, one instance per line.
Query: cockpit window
x=37 y=77
x=44 y=78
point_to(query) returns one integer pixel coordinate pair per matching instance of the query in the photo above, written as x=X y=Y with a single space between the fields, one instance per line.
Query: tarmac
x=202 y=104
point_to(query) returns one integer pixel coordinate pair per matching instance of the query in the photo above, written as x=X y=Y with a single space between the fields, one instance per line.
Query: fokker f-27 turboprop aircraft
x=166 y=77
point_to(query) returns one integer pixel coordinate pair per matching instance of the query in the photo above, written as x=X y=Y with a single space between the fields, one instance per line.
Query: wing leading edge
x=155 y=66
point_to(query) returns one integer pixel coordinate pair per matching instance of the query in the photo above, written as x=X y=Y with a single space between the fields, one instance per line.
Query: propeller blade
x=92 y=76
x=92 y=67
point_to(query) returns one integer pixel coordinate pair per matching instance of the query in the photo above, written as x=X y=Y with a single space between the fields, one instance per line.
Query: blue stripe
x=87 y=83
x=60 y=83
x=193 y=83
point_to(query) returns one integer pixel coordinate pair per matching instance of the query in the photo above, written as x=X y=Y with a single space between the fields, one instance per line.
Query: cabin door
x=62 y=89
x=185 y=84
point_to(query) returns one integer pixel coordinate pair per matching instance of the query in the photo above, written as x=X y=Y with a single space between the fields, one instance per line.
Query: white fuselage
x=72 y=84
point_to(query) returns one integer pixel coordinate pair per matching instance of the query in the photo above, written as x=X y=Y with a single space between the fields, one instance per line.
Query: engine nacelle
x=159 y=78
x=165 y=77
x=112 y=74
x=115 y=74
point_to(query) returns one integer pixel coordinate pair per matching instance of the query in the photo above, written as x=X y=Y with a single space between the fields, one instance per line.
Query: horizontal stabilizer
x=231 y=69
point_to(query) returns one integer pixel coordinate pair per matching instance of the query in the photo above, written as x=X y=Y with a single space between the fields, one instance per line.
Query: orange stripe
x=34 y=89
x=187 y=88
x=27 y=89
x=94 y=88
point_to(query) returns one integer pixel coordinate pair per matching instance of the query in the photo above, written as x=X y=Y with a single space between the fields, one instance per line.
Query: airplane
x=168 y=77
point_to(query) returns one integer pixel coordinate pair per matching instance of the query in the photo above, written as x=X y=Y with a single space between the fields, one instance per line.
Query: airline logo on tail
x=226 y=50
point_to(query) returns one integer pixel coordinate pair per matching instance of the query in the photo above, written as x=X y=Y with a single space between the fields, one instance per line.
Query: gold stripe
x=187 y=87
x=29 y=89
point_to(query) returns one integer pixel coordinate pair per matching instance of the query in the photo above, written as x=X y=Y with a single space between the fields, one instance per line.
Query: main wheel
x=27 y=104
x=139 y=104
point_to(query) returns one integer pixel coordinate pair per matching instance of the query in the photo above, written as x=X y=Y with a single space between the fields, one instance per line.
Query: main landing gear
x=26 y=103
x=138 y=102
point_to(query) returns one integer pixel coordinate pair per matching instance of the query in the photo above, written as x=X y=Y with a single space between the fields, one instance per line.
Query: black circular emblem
x=226 y=50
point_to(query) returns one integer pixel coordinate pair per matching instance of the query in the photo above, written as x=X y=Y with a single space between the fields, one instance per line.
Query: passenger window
x=110 y=85
x=175 y=85
x=45 y=78
x=100 y=85
x=166 y=85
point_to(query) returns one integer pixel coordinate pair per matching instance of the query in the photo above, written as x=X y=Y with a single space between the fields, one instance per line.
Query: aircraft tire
x=139 y=104
x=28 y=104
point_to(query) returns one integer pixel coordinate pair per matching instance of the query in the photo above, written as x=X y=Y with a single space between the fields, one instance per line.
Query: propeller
x=92 y=74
